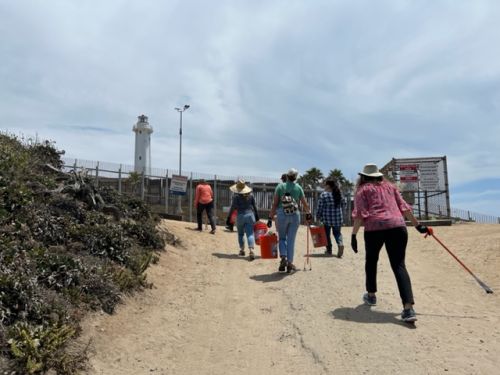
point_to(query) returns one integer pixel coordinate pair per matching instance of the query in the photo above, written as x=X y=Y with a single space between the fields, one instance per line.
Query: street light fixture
x=180 y=110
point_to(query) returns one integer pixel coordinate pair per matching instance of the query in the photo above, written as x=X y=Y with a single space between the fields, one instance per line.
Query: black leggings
x=395 y=240
x=209 y=208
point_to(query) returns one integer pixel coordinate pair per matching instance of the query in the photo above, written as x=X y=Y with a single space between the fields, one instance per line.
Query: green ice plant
x=34 y=347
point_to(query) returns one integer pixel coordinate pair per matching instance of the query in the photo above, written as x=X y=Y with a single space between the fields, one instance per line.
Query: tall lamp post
x=180 y=110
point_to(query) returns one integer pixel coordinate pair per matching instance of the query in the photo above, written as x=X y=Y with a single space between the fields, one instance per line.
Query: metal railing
x=458 y=214
x=154 y=189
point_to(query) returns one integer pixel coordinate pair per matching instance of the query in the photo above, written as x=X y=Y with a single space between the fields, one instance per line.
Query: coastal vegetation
x=67 y=247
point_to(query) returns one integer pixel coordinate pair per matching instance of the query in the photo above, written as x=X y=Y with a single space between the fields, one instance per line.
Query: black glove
x=269 y=223
x=422 y=229
x=354 y=243
x=309 y=217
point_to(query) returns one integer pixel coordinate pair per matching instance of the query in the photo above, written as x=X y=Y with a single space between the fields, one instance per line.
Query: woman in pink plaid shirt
x=379 y=206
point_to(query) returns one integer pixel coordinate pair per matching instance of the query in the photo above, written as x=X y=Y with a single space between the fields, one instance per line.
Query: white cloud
x=271 y=84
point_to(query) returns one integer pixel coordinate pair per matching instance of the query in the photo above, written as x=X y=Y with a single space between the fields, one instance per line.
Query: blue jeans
x=244 y=224
x=336 y=234
x=287 y=226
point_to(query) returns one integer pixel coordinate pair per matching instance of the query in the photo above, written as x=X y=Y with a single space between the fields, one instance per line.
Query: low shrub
x=66 y=247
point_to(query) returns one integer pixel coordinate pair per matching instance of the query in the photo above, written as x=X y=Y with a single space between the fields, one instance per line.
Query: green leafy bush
x=40 y=347
x=66 y=247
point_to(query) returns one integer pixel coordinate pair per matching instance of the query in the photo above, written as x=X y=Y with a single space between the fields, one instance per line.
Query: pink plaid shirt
x=380 y=206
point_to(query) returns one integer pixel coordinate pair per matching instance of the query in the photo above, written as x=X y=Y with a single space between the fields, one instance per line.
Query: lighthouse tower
x=142 y=132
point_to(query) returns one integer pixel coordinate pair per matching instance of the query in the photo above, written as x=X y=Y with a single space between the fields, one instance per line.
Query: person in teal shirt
x=287 y=197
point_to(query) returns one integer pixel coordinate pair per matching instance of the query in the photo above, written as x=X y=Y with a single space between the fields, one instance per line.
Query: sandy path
x=212 y=312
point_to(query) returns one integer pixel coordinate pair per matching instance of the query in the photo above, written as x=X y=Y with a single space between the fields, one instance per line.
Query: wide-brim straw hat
x=240 y=187
x=371 y=170
x=292 y=172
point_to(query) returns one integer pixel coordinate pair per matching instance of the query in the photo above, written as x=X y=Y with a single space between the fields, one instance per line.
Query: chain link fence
x=154 y=189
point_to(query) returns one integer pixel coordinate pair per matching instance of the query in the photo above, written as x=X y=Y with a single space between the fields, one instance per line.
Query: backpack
x=288 y=204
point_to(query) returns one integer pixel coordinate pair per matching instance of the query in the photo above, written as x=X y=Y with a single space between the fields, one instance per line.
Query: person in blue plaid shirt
x=329 y=212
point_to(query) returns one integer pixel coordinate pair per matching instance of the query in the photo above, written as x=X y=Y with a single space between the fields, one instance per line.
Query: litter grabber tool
x=308 y=258
x=486 y=288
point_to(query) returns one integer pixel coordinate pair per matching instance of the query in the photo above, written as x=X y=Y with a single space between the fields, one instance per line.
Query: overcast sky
x=271 y=84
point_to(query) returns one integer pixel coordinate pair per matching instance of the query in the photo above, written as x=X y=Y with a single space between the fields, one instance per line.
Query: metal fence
x=466 y=215
x=154 y=189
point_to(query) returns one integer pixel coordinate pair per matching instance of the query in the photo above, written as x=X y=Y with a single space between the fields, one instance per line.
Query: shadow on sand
x=232 y=256
x=322 y=255
x=271 y=277
x=364 y=314
x=194 y=229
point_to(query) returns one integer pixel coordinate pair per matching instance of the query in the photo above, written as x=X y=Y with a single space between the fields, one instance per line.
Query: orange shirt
x=203 y=194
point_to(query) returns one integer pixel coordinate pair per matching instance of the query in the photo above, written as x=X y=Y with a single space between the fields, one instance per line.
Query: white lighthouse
x=142 y=132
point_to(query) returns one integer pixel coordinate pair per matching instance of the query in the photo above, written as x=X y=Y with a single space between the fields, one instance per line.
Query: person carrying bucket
x=231 y=220
x=329 y=212
x=244 y=203
x=379 y=206
x=285 y=205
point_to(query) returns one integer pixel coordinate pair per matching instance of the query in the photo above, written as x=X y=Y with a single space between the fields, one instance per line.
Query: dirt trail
x=212 y=312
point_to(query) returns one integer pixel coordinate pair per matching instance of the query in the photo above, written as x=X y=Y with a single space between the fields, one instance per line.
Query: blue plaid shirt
x=329 y=213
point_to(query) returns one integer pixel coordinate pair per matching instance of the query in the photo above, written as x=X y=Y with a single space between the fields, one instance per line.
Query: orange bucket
x=232 y=218
x=259 y=230
x=269 y=246
x=318 y=235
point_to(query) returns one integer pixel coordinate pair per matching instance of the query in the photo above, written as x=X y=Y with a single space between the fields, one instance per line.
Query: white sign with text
x=178 y=185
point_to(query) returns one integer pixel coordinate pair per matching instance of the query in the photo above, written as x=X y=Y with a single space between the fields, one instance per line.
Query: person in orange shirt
x=204 y=201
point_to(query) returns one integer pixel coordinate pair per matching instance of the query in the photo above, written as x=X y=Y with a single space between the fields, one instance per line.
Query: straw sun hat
x=240 y=187
x=292 y=172
x=371 y=170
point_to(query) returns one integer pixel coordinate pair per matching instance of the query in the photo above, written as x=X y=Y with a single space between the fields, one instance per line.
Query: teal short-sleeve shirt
x=293 y=188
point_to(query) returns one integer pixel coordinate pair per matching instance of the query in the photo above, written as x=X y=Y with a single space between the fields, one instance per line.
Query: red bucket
x=232 y=218
x=269 y=246
x=318 y=235
x=259 y=230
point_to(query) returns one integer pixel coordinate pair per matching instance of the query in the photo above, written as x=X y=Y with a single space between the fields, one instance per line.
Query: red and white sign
x=408 y=176
x=408 y=167
x=421 y=174
x=408 y=173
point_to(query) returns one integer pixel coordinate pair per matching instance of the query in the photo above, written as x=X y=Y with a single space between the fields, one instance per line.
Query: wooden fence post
x=191 y=197
x=97 y=175
x=167 y=195
x=120 y=179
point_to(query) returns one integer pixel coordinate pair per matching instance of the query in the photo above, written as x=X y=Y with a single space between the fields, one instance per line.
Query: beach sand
x=212 y=312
